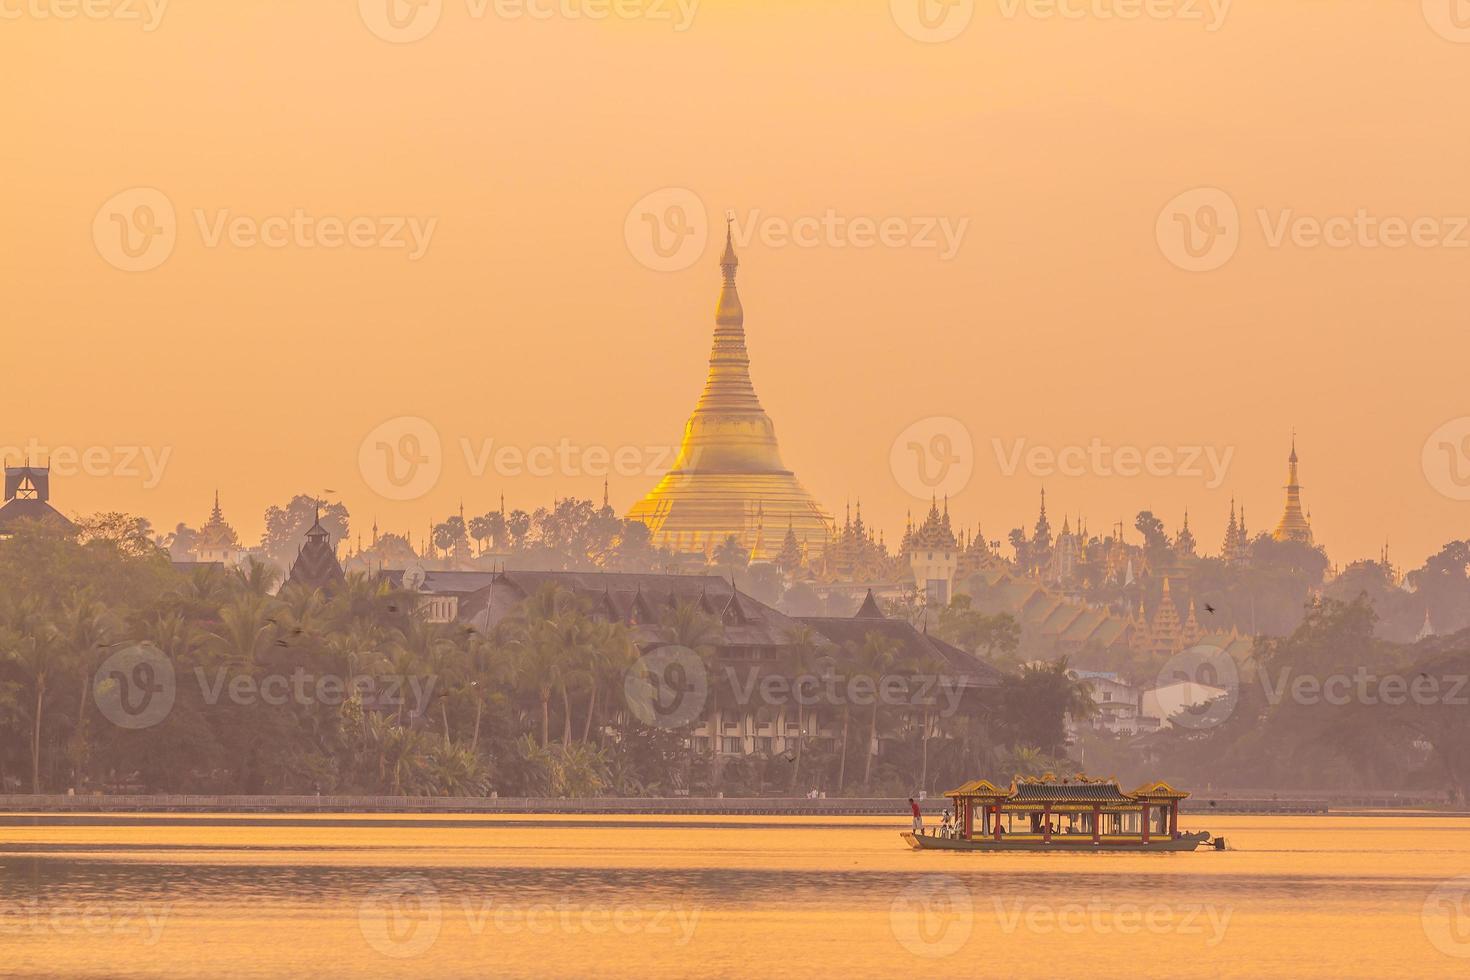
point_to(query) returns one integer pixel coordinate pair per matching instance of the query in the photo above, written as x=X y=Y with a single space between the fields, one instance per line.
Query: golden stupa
x=729 y=478
x=1295 y=525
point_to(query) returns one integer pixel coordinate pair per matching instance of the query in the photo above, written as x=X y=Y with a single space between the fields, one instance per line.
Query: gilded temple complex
x=729 y=478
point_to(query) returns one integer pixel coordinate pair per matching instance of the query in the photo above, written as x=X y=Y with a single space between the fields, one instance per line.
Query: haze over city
x=782 y=488
x=529 y=320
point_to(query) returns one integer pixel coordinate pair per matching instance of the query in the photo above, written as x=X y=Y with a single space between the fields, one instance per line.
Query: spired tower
x=729 y=478
x=1294 y=525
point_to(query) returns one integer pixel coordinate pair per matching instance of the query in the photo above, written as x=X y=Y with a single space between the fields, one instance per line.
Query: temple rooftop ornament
x=729 y=477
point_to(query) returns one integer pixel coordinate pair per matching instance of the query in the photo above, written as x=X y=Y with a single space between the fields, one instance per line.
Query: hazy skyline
x=1050 y=149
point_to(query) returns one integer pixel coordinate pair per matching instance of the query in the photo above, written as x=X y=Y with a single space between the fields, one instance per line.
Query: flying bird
x=1209 y=609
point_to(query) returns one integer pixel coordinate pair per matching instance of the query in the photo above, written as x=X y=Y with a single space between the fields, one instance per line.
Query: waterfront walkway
x=1234 y=801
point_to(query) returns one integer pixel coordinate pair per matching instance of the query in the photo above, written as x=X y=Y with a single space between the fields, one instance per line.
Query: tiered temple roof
x=216 y=532
x=27 y=496
x=316 y=565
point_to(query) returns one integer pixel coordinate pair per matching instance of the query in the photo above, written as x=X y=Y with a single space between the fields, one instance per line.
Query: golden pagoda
x=1294 y=525
x=729 y=478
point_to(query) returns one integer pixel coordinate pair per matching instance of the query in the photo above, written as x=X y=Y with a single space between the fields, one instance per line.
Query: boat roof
x=1050 y=789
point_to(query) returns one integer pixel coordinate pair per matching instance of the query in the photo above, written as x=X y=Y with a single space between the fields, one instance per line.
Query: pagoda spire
x=1294 y=525
x=729 y=458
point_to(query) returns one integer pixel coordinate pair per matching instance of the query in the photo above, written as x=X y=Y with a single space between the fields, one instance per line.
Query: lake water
x=331 y=896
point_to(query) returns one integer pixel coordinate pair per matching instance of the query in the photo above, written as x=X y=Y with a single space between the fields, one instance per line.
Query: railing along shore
x=1233 y=801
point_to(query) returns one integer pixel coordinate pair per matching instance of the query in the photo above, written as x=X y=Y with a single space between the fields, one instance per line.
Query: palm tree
x=687 y=625
x=876 y=659
x=244 y=631
x=853 y=653
x=804 y=649
x=34 y=647
x=256 y=578
x=731 y=555
x=86 y=628
x=549 y=633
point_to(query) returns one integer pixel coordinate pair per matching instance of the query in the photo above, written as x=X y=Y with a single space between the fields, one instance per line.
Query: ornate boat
x=1051 y=814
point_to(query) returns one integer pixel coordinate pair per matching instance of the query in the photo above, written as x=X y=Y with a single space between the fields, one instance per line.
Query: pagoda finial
x=729 y=262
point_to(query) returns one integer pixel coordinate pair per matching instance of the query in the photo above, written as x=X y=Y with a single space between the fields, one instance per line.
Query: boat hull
x=1067 y=843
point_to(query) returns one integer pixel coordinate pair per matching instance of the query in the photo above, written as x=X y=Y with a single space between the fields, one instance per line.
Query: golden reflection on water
x=649 y=897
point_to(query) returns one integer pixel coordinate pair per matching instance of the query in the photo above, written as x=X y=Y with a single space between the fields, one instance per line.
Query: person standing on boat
x=918 y=817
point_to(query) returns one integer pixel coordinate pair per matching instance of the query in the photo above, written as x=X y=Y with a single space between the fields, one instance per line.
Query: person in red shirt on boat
x=918 y=817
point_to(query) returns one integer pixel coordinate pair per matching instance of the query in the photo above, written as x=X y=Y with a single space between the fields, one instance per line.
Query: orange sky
x=528 y=319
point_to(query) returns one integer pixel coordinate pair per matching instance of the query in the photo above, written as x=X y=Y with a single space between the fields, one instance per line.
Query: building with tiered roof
x=316 y=565
x=934 y=555
x=27 y=498
x=216 y=540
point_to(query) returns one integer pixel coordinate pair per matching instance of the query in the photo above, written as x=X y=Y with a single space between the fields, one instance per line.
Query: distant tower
x=316 y=565
x=217 y=541
x=934 y=556
x=27 y=492
x=1294 y=524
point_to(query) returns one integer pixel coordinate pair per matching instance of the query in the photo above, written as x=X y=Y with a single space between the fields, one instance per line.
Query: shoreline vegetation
x=537 y=706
